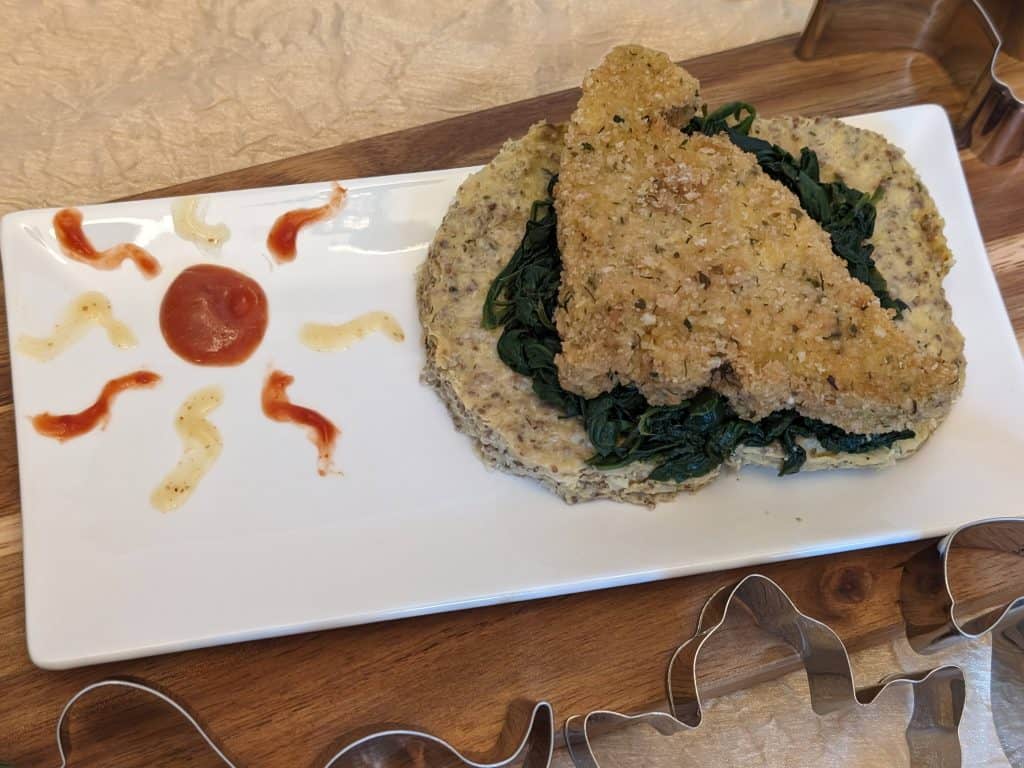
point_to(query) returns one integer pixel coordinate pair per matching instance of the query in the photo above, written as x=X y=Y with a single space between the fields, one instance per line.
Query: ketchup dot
x=213 y=315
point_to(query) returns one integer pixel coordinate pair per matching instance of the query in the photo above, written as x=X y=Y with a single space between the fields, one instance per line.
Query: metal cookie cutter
x=934 y=616
x=965 y=36
x=393 y=747
x=938 y=694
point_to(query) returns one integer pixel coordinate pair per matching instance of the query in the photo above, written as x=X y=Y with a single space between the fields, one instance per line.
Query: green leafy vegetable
x=689 y=439
x=736 y=115
x=848 y=215
x=522 y=298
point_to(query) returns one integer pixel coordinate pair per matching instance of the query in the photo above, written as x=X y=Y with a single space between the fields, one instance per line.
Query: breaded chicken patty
x=685 y=266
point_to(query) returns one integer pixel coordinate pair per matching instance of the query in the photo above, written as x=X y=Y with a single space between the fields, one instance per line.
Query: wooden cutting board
x=290 y=701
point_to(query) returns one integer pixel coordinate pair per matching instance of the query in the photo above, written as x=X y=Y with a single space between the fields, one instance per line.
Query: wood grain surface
x=289 y=701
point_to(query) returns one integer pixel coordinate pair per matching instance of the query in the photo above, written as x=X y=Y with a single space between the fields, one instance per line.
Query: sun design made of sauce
x=210 y=315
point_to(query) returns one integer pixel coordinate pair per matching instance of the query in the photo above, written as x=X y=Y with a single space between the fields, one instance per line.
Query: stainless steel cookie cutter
x=965 y=36
x=938 y=694
x=934 y=616
x=391 y=747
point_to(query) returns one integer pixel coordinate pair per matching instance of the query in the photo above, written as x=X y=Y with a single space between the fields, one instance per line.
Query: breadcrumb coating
x=685 y=266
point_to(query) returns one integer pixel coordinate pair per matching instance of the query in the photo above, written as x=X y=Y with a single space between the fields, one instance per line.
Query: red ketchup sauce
x=66 y=426
x=278 y=407
x=213 y=315
x=67 y=224
x=281 y=240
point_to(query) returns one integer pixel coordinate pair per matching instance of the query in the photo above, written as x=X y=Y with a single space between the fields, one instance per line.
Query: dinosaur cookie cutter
x=934 y=616
x=392 y=747
x=965 y=36
x=938 y=694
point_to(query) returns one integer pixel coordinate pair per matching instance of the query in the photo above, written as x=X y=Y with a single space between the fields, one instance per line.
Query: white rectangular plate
x=416 y=523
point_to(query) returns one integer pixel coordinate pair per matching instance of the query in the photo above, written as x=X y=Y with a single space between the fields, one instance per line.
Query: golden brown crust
x=512 y=429
x=910 y=248
x=685 y=266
